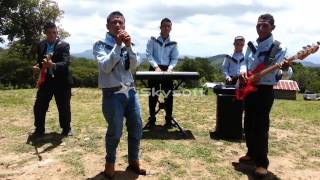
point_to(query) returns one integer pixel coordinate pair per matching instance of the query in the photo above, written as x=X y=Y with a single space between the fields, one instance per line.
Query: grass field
x=294 y=145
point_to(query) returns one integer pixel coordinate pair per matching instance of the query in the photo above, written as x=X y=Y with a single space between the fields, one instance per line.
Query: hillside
x=216 y=59
x=309 y=64
x=84 y=54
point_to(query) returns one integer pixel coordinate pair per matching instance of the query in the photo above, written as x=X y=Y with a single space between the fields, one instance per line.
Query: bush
x=84 y=72
x=18 y=73
x=15 y=73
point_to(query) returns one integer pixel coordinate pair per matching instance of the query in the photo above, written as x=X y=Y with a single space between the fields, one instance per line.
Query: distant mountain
x=314 y=58
x=85 y=54
x=88 y=54
x=217 y=59
x=186 y=57
x=313 y=61
x=309 y=64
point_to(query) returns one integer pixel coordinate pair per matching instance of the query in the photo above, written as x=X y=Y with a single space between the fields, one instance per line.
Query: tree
x=208 y=72
x=6 y=7
x=22 y=21
x=84 y=72
x=23 y=24
x=306 y=77
x=14 y=72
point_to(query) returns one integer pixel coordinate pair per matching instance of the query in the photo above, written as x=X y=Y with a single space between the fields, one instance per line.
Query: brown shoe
x=261 y=172
x=245 y=158
x=134 y=165
x=109 y=170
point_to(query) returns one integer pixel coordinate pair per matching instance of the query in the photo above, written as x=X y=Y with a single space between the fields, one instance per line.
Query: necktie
x=125 y=54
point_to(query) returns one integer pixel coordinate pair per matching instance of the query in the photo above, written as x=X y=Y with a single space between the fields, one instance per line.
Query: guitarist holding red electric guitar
x=258 y=75
x=54 y=80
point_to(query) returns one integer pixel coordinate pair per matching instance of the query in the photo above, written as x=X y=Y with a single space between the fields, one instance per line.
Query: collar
x=51 y=44
x=161 y=39
x=237 y=54
x=110 y=40
x=54 y=45
x=265 y=45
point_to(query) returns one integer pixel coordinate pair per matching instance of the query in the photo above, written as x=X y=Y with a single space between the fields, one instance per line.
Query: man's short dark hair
x=267 y=17
x=49 y=25
x=164 y=20
x=114 y=13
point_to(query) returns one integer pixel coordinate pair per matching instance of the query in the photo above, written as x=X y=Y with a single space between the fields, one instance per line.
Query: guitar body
x=43 y=72
x=42 y=77
x=242 y=93
x=246 y=88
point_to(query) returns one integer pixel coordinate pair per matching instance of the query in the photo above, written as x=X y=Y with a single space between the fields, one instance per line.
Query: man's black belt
x=113 y=89
x=117 y=88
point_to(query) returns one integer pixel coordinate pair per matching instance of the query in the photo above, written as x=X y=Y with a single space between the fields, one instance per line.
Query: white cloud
x=201 y=28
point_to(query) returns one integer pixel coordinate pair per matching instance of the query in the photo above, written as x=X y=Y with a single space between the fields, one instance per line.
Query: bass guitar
x=245 y=88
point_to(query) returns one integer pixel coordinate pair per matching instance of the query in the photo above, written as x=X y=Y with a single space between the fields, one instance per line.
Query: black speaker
x=228 y=117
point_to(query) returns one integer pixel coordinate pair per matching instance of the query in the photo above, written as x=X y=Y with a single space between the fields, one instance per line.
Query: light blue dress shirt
x=230 y=67
x=50 y=50
x=162 y=52
x=111 y=61
x=252 y=60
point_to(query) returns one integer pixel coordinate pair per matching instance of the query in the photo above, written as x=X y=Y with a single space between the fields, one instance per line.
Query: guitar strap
x=252 y=48
x=271 y=53
x=234 y=59
x=269 y=56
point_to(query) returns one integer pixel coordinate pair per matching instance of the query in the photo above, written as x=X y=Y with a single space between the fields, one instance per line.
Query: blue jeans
x=114 y=108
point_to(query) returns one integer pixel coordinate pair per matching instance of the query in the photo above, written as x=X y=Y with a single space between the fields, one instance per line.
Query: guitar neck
x=275 y=66
x=300 y=55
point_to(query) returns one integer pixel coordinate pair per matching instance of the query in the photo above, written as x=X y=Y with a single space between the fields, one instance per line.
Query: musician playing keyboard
x=231 y=64
x=162 y=54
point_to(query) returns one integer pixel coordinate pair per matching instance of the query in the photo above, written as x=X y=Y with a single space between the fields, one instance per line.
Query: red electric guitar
x=248 y=87
x=43 y=73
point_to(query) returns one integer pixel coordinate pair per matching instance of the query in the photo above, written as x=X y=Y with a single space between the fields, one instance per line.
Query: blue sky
x=201 y=28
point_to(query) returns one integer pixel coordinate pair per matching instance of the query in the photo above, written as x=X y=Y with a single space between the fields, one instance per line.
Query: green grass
x=308 y=111
x=294 y=134
x=74 y=160
x=90 y=143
